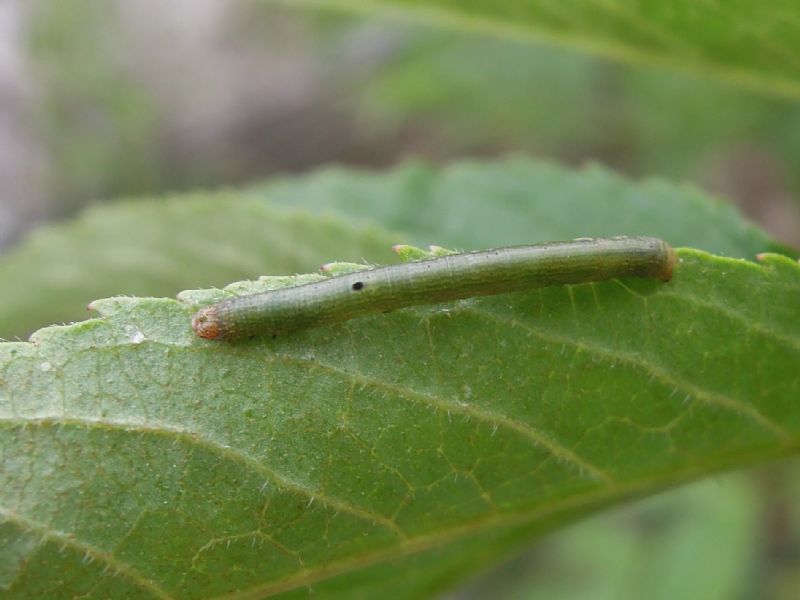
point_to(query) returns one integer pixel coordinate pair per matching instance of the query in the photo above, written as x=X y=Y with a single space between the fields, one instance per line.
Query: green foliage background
x=400 y=455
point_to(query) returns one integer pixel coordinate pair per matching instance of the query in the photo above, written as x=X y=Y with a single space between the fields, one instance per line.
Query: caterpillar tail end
x=669 y=264
x=206 y=324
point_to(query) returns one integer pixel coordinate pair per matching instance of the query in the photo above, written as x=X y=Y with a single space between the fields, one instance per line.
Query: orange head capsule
x=206 y=324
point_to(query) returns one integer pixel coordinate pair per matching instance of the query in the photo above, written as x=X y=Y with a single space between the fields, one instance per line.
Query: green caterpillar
x=431 y=278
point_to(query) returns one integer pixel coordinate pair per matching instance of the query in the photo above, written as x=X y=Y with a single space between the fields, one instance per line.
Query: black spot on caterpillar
x=446 y=277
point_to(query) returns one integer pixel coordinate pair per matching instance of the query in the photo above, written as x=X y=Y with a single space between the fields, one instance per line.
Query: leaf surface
x=521 y=201
x=141 y=459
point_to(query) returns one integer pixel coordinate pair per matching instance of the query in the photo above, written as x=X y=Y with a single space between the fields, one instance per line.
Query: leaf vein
x=70 y=541
x=734 y=315
x=540 y=439
x=660 y=373
x=223 y=450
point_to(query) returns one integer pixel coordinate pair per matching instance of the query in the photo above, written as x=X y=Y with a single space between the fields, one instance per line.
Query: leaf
x=750 y=44
x=520 y=201
x=142 y=385
x=157 y=248
x=140 y=459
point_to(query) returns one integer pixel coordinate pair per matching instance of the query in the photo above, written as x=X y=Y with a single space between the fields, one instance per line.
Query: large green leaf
x=140 y=459
x=520 y=201
x=389 y=455
x=754 y=44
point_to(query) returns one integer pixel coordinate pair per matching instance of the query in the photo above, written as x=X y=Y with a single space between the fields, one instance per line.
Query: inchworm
x=432 y=281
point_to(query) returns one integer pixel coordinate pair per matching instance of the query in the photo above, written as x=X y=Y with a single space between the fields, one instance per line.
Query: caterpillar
x=445 y=277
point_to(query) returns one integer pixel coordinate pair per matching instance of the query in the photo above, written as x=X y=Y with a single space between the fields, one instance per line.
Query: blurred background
x=102 y=99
